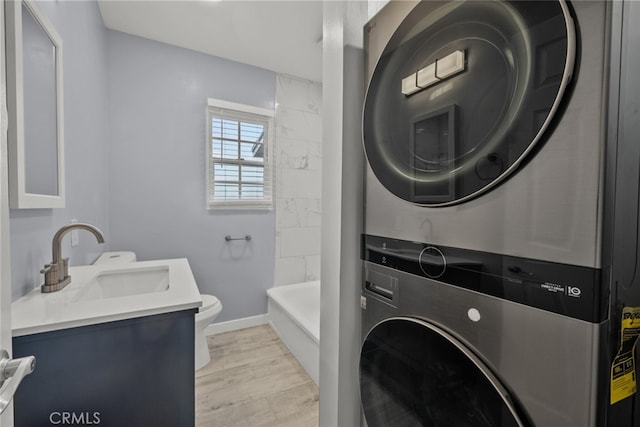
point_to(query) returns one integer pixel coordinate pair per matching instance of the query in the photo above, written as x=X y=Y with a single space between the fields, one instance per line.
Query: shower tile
x=315 y=155
x=313 y=212
x=300 y=241
x=299 y=94
x=290 y=270
x=288 y=214
x=315 y=98
x=278 y=182
x=299 y=125
x=301 y=184
x=298 y=153
x=292 y=154
x=313 y=268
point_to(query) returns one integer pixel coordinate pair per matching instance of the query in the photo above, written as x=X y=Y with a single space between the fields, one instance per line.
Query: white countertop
x=37 y=312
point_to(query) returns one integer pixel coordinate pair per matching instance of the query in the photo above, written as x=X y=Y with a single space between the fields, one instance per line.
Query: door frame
x=6 y=420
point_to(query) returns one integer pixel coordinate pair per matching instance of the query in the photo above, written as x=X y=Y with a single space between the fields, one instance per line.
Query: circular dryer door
x=413 y=373
x=462 y=93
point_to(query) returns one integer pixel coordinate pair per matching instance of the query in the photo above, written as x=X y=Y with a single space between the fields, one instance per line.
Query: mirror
x=34 y=92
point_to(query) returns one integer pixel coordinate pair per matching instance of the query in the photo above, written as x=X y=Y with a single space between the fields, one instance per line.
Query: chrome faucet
x=56 y=274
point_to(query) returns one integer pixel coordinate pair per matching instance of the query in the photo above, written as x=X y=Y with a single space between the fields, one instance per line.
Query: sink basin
x=108 y=292
x=125 y=282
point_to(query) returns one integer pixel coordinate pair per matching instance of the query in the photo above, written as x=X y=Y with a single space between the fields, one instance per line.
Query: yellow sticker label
x=623 y=368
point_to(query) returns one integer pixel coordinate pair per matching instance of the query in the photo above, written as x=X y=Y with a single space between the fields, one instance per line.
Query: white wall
x=6 y=419
x=157 y=102
x=342 y=201
x=298 y=179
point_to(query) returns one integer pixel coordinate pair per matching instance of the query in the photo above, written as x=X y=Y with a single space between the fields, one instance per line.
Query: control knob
x=432 y=262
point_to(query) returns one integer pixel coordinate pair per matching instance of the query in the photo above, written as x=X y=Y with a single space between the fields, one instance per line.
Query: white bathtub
x=294 y=313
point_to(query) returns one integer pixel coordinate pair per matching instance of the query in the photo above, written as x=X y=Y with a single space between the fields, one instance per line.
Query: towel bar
x=229 y=238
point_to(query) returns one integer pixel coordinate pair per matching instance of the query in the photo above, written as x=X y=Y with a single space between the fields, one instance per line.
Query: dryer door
x=413 y=373
x=463 y=92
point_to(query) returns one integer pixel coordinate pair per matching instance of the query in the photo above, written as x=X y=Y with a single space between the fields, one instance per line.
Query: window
x=239 y=172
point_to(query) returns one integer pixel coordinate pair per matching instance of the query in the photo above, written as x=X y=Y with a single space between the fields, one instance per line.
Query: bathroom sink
x=125 y=282
x=108 y=292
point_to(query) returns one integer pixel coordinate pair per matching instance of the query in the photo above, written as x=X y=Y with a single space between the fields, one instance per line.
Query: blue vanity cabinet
x=133 y=372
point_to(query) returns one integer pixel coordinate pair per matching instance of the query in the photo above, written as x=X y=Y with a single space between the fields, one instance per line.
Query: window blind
x=239 y=158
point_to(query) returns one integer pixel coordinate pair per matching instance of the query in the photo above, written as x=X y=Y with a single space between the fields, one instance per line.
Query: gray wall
x=86 y=138
x=157 y=98
x=135 y=166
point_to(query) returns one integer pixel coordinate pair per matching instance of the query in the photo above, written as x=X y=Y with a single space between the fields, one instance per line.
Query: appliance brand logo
x=573 y=291
x=553 y=287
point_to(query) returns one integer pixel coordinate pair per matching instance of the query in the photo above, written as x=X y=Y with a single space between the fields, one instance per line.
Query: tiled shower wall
x=298 y=160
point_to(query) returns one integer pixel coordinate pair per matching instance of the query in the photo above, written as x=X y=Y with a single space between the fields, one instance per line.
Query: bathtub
x=294 y=313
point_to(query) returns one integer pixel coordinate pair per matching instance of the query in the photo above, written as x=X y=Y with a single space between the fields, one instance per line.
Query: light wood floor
x=253 y=381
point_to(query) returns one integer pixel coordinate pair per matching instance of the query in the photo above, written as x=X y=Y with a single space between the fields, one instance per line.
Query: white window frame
x=214 y=107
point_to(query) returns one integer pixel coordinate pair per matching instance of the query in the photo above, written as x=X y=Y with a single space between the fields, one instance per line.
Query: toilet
x=210 y=309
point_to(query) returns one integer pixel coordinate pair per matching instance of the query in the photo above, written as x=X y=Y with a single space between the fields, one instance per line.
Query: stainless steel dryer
x=484 y=126
x=501 y=216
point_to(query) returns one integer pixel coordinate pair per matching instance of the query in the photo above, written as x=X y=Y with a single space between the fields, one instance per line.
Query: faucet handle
x=47 y=268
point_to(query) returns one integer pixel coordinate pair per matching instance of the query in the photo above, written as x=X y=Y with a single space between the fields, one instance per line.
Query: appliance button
x=474 y=315
x=432 y=262
x=514 y=269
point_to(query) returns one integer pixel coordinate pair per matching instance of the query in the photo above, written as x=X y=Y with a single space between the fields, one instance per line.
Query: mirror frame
x=18 y=196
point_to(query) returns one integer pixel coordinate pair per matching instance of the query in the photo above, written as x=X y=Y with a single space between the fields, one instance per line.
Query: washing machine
x=501 y=212
x=434 y=354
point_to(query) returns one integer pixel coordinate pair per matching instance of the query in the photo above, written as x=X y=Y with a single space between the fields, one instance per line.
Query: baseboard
x=234 y=325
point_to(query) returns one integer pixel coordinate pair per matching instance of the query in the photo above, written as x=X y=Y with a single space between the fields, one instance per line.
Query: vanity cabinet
x=133 y=372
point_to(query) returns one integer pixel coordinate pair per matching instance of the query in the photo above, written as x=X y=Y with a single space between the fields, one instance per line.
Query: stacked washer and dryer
x=501 y=212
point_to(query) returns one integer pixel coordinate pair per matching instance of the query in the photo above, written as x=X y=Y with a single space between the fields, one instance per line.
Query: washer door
x=413 y=373
x=462 y=93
